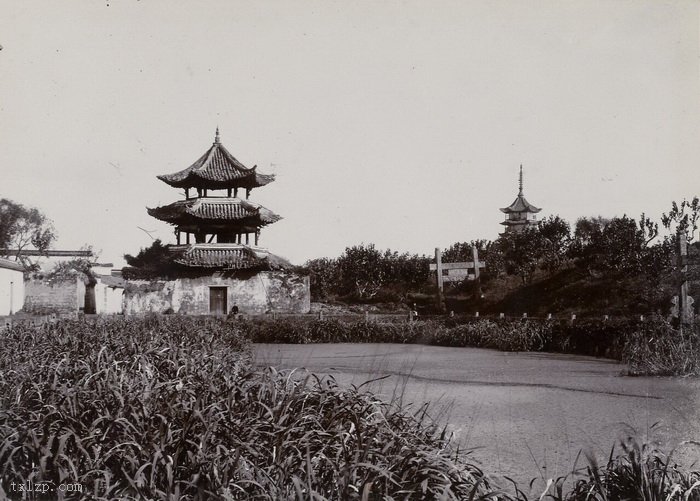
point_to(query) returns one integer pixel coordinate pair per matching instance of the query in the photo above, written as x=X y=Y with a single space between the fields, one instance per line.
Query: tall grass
x=638 y=472
x=661 y=350
x=165 y=408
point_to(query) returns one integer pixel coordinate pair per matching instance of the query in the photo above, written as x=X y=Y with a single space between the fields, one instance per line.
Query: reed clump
x=637 y=472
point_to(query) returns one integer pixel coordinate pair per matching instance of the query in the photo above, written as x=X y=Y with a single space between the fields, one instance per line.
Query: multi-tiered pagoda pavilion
x=213 y=226
x=218 y=264
x=521 y=213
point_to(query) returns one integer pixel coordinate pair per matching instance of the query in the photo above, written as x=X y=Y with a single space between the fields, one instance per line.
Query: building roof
x=226 y=256
x=212 y=209
x=520 y=205
x=10 y=265
x=217 y=169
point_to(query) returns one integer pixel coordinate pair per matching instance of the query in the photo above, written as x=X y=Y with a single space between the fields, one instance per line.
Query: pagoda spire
x=520 y=213
x=216 y=137
x=520 y=192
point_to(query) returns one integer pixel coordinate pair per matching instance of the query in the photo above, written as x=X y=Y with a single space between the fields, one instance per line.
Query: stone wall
x=263 y=292
x=64 y=296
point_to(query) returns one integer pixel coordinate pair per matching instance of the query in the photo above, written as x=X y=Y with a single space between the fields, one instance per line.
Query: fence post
x=524 y=316
x=641 y=318
x=476 y=314
x=501 y=315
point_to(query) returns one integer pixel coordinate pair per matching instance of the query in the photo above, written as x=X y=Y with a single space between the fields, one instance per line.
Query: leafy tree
x=683 y=217
x=587 y=227
x=405 y=270
x=324 y=276
x=362 y=270
x=150 y=262
x=522 y=252
x=462 y=251
x=555 y=238
x=620 y=245
x=23 y=228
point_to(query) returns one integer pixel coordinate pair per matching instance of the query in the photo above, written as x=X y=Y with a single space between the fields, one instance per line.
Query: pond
x=527 y=415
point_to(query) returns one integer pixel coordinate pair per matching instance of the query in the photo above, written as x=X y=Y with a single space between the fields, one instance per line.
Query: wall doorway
x=218 y=301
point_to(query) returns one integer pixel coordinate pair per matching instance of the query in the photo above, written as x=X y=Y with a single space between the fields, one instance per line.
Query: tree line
x=596 y=246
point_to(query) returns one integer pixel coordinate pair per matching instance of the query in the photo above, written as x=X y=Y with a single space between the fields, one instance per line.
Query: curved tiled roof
x=226 y=256
x=520 y=205
x=230 y=256
x=214 y=209
x=217 y=169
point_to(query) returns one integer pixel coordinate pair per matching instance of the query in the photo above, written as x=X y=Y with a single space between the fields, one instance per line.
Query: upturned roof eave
x=184 y=212
x=236 y=175
x=520 y=204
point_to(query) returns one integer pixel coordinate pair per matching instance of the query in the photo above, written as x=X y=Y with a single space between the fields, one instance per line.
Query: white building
x=11 y=287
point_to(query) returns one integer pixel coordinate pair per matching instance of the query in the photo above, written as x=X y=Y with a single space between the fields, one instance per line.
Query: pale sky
x=397 y=123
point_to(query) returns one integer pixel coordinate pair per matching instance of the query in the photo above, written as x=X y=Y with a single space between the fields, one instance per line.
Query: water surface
x=527 y=414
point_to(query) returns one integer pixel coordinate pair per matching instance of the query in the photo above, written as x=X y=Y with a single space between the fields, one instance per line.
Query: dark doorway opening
x=90 y=307
x=217 y=300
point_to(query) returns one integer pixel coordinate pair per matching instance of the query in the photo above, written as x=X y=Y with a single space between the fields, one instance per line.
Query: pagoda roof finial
x=520 y=191
x=216 y=137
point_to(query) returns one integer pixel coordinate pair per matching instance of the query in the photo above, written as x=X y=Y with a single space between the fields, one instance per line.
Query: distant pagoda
x=521 y=213
x=214 y=231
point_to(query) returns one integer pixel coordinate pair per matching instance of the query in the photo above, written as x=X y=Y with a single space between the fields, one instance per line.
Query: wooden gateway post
x=685 y=302
x=456 y=272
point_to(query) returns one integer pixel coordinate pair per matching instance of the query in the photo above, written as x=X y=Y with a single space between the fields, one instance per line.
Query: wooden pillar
x=187 y=193
x=235 y=192
x=187 y=237
x=177 y=232
x=199 y=192
x=438 y=270
x=475 y=258
x=247 y=238
x=229 y=192
x=438 y=263
x=685 y=305
x=257 y=237
x=247 y=193
x=205 y=192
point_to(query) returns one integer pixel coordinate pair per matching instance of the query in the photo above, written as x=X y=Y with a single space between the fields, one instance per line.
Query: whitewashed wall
x=17 y=288
x=108 y=300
